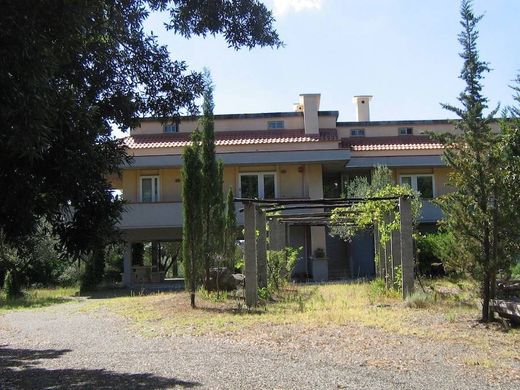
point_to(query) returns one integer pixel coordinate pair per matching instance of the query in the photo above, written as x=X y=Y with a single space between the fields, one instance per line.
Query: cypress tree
x=192 y=219
x=212 y=180
x=230 y=228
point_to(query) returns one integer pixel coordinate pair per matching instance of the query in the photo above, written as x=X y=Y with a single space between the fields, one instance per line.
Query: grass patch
x=38 y=297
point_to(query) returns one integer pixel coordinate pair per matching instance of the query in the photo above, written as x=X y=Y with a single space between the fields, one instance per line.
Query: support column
x=261 y=248
x=377 y=254
x=250 y=254
x=389 y=266
x=276 y=235
x=396 y=249
x=405 y=210
x=127 y=264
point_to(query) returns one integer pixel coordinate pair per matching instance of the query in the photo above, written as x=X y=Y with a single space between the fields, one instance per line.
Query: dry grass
x=38 y=297
x=318 y=316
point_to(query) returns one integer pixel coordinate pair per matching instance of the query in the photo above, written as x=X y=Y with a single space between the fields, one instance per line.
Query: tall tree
x=192 y=229
x=480 y=210
x=69 y=72
x=212 y=181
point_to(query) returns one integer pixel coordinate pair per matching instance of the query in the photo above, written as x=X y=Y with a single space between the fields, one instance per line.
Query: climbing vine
x=383 y=215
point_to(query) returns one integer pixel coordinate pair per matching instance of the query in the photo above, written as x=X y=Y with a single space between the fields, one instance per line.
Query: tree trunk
x=192 y=299
x=487 y=275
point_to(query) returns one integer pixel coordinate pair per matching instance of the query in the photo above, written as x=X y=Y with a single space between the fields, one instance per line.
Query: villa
x=305 y=153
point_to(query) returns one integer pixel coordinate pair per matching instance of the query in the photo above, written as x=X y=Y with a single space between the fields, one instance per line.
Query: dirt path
x=64 y=347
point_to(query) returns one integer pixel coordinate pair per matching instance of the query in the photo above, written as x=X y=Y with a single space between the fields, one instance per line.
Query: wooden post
x=250 y=254
x=405 y=210
x=261 y=248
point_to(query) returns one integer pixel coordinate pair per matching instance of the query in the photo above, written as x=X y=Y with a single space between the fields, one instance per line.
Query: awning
x=250 y=158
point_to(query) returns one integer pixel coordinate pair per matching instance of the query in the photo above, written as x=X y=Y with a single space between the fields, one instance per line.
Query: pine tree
x=469 y=209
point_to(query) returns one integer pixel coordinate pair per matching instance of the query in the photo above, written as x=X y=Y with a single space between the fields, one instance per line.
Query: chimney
x=310 y=102
x=362 y=107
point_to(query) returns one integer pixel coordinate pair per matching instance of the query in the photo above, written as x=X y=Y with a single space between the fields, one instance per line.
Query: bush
x=440 y=252
x=12 y=286
x=280 y=265
x=515 y=271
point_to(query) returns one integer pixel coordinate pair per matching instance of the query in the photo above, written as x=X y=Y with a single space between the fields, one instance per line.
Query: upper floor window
x=357 y=132
x=260 y=185
x=171 y=128
x=420 y=183
x=275 y=125
x=406 y=131
x=150 y=188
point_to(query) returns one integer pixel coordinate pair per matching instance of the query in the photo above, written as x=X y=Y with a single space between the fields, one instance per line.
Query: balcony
x=151 y=215
x=430 y=212
x=158 y=215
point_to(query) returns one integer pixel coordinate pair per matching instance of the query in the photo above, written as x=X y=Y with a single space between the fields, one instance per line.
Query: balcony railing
x=430 y=212
x=158 y=215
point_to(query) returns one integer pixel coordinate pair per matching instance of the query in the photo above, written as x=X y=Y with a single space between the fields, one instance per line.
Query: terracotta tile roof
x=231 y=138
x=412 y=142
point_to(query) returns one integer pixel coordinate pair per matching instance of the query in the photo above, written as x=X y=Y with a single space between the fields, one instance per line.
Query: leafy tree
x=212 y=182
x=192 y=229
x=69 y=72
x=483 y=210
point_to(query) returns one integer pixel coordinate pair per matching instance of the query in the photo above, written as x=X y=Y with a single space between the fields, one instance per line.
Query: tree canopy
x=69 y=72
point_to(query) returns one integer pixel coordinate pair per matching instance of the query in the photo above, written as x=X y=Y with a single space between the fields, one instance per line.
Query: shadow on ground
x=18 y=370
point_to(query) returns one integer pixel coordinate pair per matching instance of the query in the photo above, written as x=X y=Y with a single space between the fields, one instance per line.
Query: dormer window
x=171 y=128
x=271 y=125
x=357 y=132
x=406 y=131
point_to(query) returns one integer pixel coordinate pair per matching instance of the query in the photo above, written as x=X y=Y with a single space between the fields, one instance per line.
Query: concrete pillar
x=261 y=248
x=127 y=264
x=276 y=235
x=396 y=248
x=389 y=269
x=405 y=210
x=377 y=253
x=250 y=254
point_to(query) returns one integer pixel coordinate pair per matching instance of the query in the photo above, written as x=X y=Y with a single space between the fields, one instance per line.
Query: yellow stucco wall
x=292 y=181
x=440 y=177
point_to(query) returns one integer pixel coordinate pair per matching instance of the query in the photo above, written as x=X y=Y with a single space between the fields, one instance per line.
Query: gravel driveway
x=63 y=347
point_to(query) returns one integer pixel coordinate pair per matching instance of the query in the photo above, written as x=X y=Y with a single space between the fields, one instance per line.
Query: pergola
x=282 y=213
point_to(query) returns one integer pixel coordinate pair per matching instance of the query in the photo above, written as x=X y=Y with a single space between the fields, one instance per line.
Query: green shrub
x=445 y=248
x=515 y=271
x=12 y=286
x=280 y=265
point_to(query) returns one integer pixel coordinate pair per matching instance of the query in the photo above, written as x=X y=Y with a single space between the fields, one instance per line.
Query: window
x=420 y=183
x=150 y=188
x=171 y=128
x=275 y=125
x=406 y=131
x=357 y=132
x=261 y=185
